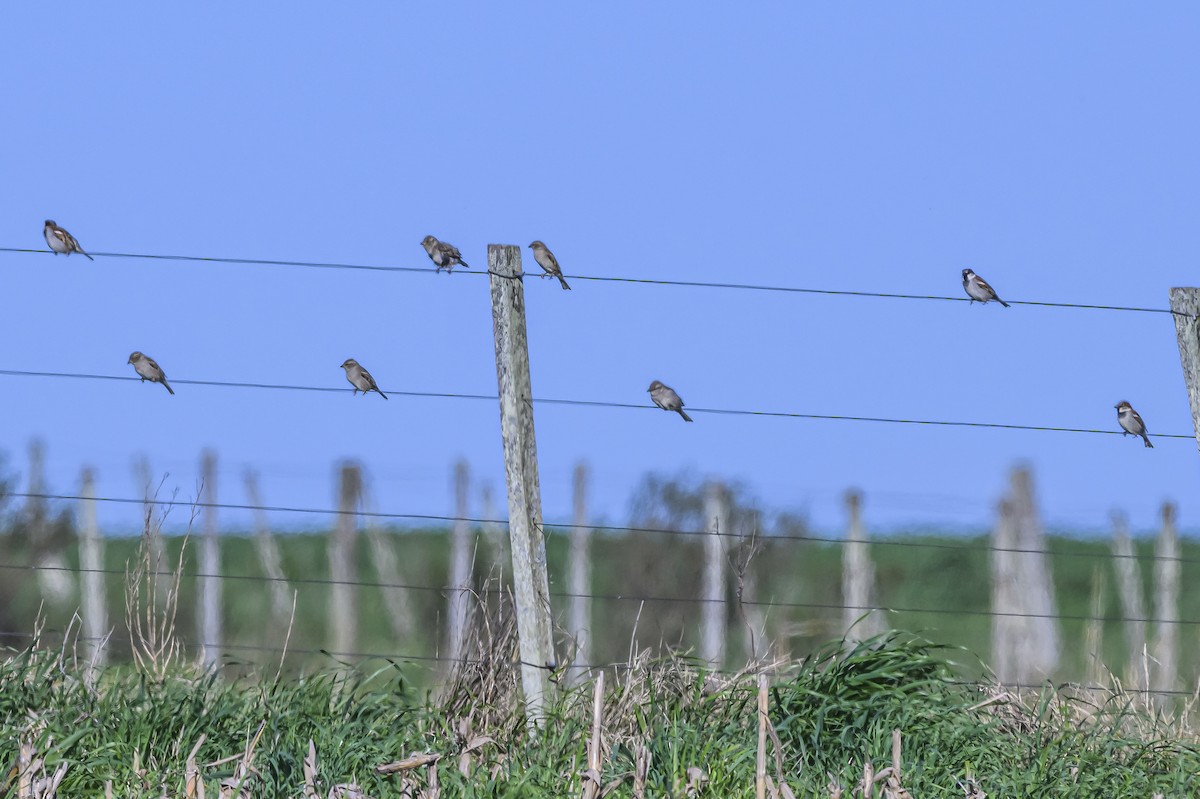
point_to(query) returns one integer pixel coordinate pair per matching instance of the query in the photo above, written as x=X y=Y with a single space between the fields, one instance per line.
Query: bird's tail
x=686 y=418
x=90 y=258
x=167 y=386
x=563 y=280
x=1146 y=438
x=464 y=263
x=1002 y=302
x=381 y=393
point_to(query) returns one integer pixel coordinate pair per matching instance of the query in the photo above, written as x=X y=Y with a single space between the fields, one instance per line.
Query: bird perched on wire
x=443 y=254
x=1131 y=422
x=148 y=369
x=547 y=261
x=979 y=289
x=360 y=378
x=61 y=241
x=665 y=397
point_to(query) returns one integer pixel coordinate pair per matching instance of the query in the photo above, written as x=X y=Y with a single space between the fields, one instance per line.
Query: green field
x=943 y=589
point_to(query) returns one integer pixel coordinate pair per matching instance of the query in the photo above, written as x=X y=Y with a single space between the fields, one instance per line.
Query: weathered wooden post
x=531 y=588
x=270 y=557
x=860 y=620
x=460 y=565
x=579 y=574
x=1166 y=603
x=1129 y=586
x=712 y=625
x=1006 y=643
x=1185 y=307
x=209 y=581
x=343 y=561
x=91 y=562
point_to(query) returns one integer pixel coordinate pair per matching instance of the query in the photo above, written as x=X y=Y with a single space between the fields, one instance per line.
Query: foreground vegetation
x=669 y=730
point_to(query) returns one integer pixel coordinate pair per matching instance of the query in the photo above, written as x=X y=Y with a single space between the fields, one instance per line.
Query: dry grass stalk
x=347 y=790
x=760 y=768
x=432 y=789
x=193 y=781
x=592 y=784
x=235 y=786
x=410 y=762
x=641 y=770
x=151 y=604
x=483 y=689
x=310 y=772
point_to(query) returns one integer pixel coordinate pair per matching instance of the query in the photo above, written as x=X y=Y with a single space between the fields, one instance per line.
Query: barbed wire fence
x=1025 y=622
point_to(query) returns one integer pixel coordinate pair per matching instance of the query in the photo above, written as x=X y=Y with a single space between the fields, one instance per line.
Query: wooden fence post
x=1093 y=632
x=91 y=562
x=579 y=575
x=1185 y=307
x=152 y=527
x=1166 y=603
x=860 y=620
x=1005 y=638
x=343 y=561
x=1129 y=586
x=712 y=625
x=461 y=550
x=209 y=581
x=1035 y=590
x=270 y=557
x=387 y=569
x=531 y=589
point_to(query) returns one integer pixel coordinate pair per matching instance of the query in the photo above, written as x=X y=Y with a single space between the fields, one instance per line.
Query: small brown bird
x=665 y=397
x=547 y=261
x=443 y=254
x=978 y=289
x=1131 y=422
x=148 y=369
x=61 y=241
x=360 y=378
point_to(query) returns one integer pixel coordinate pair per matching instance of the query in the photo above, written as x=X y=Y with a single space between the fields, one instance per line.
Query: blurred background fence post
x=1166 y=603
x=461 y=554
x=1133 y=606
x=579 y=576
x=270 y=558
x=714 y=613
x=343 y=561
x=859 y=619
x=92 y=577
x=209 y=579
x=1040 y=647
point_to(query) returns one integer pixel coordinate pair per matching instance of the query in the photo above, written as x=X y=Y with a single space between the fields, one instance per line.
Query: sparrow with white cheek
x=148 y=369
x=979 y=289
x=360 y=378
x=547 y=261
x=443 y=254
x=665 y=397
x=1131 y=422
x=61 y=241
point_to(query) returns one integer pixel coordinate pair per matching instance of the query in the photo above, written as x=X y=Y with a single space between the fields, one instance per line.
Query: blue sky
x=1053 y=150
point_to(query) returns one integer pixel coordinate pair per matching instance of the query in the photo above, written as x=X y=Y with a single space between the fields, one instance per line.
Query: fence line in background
x=1022 y=612
x=552 y=526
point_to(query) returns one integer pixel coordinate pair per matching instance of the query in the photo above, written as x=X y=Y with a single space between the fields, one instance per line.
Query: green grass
x=831 y=711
